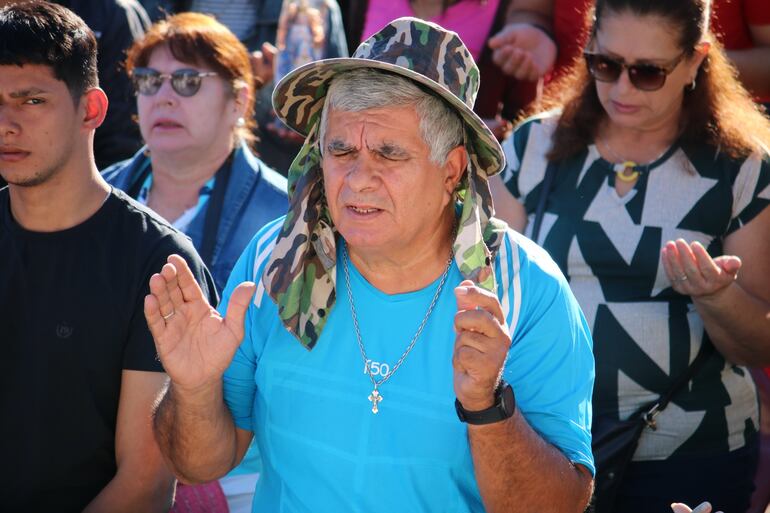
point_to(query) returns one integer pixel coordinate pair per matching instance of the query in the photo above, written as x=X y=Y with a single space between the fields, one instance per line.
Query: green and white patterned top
x=645 y=333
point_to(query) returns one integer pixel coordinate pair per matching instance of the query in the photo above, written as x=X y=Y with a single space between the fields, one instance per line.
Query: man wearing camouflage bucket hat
x=388 y=343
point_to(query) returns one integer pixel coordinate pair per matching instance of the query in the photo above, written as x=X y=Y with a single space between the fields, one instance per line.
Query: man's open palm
x=194 y=343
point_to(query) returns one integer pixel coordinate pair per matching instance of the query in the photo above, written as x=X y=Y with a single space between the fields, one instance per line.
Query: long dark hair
x=718 y=111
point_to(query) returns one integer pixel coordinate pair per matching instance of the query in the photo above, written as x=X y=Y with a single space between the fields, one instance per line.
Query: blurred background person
x=661 y=184
x=501 y=97
x=255 y=23
x=742 y=26
x=300 y=38
x=195 y=100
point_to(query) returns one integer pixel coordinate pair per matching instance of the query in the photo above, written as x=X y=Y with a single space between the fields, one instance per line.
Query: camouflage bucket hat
x=421 y=51
x=300 y=273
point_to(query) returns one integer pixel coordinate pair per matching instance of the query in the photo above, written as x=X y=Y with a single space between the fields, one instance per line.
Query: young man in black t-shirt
x=78 y=367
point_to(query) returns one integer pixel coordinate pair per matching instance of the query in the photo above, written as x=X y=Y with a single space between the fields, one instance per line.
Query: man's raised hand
x=194 y=343
x=481 y=346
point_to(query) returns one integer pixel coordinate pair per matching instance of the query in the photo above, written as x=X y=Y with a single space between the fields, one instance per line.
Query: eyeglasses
x=186 y=82
x=645 y=77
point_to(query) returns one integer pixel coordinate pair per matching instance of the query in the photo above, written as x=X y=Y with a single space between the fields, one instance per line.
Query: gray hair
x=361 y=89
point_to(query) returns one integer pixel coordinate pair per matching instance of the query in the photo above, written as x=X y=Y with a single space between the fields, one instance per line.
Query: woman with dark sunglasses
x=195 y=97
x=652 y=167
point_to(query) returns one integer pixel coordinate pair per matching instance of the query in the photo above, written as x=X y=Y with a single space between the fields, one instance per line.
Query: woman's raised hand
x=693 y=272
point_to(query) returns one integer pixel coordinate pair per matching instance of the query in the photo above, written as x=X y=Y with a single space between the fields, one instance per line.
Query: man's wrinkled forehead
x=384 y=127
x=389 y=149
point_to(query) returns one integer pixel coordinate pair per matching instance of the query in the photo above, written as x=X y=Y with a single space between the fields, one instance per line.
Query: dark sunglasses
x=645 y=77
x=186 y=82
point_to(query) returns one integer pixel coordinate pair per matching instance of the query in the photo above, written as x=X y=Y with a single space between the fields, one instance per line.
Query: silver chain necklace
x=375 y=397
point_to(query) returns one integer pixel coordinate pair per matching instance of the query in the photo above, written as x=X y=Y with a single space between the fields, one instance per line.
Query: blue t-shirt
x=322 y=447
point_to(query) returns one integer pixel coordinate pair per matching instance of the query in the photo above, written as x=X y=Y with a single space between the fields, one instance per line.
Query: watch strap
x=504 y=408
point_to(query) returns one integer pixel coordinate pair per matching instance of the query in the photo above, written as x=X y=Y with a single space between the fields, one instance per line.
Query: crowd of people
x=510 y=255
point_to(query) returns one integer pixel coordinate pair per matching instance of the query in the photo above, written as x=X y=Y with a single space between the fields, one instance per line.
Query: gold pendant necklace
x=626 y=172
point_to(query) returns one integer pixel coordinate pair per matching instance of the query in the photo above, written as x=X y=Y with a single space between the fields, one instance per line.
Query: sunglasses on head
x=186 y=82
x=645 y=77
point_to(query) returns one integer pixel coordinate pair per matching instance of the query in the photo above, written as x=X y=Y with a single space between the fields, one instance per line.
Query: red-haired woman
x=195 y=99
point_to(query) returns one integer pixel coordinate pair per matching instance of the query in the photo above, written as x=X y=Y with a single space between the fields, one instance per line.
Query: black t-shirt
x=71 y=319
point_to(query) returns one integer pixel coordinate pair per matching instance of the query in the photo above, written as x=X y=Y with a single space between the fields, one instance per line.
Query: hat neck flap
x=300 y=275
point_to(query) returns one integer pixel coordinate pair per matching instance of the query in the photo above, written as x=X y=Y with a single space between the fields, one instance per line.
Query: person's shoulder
x=533 y=132
x=270 y=179
x=145 y=223
x=131 y=7
x=256 y=255
x=120 y=171
x=113 y=171
x=153 y=239
x=762 y=154
x=103 y=14
x=276 y=181
x=263 y=243
x=547 y=121
x=529 y=259
x=533 y=289
x=133 y=14
x=709 y=161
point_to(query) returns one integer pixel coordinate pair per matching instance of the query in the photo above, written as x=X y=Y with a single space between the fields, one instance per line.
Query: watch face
x=509 y=402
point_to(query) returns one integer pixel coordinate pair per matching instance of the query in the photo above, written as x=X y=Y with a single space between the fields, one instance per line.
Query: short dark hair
x=44 y=33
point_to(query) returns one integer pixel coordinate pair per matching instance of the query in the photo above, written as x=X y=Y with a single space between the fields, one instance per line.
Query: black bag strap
x=214 y=212
x=545 y=190
x=703 y=354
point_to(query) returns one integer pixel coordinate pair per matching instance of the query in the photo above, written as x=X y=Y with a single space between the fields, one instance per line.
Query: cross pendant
x=375 y=398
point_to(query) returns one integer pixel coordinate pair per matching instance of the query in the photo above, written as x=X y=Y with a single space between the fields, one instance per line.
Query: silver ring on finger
x=681 y=278
x=169 y=316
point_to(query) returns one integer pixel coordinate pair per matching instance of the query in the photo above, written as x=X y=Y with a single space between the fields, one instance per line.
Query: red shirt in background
x=730 y=21
x=569 y=31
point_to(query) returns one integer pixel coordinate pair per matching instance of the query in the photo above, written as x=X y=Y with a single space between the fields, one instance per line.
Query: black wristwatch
x=504 y=407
